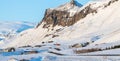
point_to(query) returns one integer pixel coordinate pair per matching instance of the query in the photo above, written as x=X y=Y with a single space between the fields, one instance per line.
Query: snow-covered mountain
x=94 y=26
x=9 y=29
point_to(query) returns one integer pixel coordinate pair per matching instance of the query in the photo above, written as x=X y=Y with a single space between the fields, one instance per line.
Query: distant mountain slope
x=8 y=29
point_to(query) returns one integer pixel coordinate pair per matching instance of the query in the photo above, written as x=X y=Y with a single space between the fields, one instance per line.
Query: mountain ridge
x=95 y=27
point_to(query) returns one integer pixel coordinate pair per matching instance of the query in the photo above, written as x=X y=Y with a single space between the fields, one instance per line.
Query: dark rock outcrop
x=109 y=3
x=56 y=17
x=62 y=18
x=75 y=3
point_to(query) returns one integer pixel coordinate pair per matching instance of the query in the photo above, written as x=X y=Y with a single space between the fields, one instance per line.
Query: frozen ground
x=44 y=55
x=40 y=57
x=93 y=38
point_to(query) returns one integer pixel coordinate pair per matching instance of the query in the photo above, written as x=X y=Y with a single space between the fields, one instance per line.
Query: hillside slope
x=96 y=22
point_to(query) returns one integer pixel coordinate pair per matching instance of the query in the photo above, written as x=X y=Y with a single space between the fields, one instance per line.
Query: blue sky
x=28 y=10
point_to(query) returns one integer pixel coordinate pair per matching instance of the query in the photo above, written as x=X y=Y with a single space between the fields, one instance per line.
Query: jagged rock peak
x=62 y=15
x=65 y=15
x=75 y=3
x=70 y=5
x=72 y=2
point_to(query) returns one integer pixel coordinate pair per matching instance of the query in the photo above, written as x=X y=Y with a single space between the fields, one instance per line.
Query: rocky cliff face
x=55 y=17
x=61 y=16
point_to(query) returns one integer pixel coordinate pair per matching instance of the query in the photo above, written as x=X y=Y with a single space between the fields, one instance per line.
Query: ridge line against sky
x=28 y=10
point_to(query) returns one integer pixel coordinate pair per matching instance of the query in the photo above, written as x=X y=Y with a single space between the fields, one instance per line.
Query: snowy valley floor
x=59 y=58
x=94 y=56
